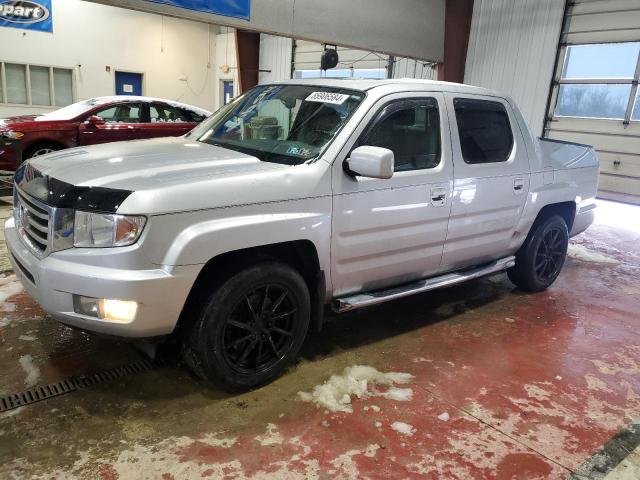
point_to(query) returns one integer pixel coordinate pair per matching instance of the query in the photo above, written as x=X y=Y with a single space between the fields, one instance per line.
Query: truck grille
x=32 y=220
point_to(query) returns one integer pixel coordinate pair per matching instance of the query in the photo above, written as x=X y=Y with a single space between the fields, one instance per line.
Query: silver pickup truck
x=294 y=196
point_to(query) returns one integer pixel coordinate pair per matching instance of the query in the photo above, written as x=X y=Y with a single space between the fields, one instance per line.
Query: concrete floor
x=505 y=385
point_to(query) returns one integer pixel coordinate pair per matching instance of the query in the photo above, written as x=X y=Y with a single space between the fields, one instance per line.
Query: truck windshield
x=288 y=124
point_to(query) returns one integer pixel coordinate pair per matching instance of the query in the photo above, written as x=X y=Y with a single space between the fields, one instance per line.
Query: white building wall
x=275 y=55
x=512 y=48
x=176 y=56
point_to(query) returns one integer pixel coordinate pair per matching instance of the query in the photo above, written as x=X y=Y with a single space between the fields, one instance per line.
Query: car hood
x=30 y=122
x=172 y=174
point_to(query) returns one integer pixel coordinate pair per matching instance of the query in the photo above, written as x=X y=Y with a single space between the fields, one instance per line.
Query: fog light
x=118 y=311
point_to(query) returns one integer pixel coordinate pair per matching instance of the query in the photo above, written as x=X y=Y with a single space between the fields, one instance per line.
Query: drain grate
x=72 y=384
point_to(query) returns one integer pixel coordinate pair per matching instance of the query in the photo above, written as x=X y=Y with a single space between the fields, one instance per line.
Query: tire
x=541 y=258
x=250 y=329
x=39 y=149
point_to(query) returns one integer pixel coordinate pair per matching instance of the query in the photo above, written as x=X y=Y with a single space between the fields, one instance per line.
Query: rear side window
x=192 y=116
x=484 y=129
x=411 y=130
x=161 y=113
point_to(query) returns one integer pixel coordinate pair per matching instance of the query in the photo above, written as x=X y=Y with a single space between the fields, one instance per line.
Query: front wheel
x=39 y=149
x=251 y=328
x=541 y=258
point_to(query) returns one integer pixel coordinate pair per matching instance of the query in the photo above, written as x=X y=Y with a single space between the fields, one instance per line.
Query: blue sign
x=228 y=8
x=27 y=14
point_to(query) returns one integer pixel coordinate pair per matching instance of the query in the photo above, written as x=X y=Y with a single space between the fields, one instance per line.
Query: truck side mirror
x=94 y=120
x=372 y=162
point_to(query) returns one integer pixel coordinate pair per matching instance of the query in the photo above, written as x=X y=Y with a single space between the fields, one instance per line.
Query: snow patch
x=9 y=286
x=403 y=428
x=399 y=394
x=27 y=338
x=12 y=413
x=32 y=371
x=8 y=307
x=335 y=394
x=580 y=252
x=270 y=437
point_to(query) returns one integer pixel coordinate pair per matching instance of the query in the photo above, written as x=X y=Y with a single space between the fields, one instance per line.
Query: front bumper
x=101 y=273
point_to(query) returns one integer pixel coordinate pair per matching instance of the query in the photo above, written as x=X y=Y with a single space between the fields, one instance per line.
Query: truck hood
x=147 y=164
x=171 y=174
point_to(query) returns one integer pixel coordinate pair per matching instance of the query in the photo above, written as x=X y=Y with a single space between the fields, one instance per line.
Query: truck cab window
x=484 y=129
x=411 y=130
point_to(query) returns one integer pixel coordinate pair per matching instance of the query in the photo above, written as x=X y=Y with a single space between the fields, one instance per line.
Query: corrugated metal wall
x=275 y=55
x=512 y=48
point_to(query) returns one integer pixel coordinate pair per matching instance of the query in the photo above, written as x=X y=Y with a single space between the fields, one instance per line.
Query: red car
x=97 y=120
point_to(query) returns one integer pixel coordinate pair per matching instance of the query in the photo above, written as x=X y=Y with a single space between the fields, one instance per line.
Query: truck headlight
x=106 y=230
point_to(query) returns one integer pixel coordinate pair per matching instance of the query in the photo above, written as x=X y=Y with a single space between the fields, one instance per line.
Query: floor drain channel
x=71 y=384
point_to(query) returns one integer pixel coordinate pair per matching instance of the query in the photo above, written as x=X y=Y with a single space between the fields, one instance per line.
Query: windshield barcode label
x=327 y=97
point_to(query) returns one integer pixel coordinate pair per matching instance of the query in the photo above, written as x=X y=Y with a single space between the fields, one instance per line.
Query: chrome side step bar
x=361 y=300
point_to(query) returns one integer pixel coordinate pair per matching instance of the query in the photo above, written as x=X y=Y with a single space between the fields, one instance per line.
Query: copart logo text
x=23 y=11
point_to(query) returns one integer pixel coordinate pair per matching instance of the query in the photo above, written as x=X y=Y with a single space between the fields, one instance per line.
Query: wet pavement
x=504 y=385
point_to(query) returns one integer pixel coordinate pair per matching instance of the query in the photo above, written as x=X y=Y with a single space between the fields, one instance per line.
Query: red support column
x=457 y=25
x=248 y=52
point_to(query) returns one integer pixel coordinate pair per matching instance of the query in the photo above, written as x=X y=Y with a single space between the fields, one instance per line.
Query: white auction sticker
x=327 y=97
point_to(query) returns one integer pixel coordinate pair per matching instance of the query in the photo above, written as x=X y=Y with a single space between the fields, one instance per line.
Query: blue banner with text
x=27 y=14
x=228 y=8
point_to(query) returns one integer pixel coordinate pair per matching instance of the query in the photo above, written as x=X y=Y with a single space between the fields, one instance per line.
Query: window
x=411 y=130
x=192 y=116
x=121 y=113
x=597 y=82
x=484 y=129
x=40 y=85
x=288 y=124
x=166 y=114
x=16 y=77
x=47 y=86
x=63 y=86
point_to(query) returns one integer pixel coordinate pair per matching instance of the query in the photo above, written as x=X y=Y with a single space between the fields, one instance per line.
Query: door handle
x=518 y=185
x=438 y=196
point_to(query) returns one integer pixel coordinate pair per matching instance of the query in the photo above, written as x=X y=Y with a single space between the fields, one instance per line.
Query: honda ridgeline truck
x=295 y=195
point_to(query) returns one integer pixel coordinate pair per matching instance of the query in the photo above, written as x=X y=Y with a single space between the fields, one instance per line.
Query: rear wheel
x=251 y=328
x=39 y=149
x=541 y=258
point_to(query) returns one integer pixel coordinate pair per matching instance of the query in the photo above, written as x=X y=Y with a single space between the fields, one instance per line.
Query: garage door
x=594 y=97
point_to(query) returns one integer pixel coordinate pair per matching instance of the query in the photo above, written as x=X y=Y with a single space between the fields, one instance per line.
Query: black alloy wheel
x=540 y=259
x=550 y=254
x=260 y=329
x=250 y=328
